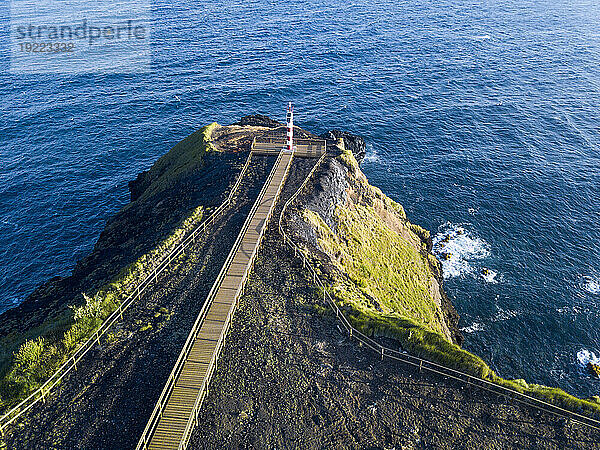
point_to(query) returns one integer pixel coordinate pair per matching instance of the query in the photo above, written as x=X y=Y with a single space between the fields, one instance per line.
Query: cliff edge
x=287 y=376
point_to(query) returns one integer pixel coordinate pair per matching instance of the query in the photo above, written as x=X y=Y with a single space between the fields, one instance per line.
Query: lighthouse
x=290 y=127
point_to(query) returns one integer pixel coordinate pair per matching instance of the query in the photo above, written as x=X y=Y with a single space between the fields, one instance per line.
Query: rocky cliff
x=287 y=376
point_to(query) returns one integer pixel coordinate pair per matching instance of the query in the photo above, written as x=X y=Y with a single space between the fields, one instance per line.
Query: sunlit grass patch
x=383 y=287
x=37 y=359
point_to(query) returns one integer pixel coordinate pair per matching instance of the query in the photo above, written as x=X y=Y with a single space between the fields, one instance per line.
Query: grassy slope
x=50 y=345
x=389 y=273
x=184 y=157
x=386 y=291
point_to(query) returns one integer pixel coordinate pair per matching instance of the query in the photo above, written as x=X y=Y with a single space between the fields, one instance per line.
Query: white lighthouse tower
x=290 y=128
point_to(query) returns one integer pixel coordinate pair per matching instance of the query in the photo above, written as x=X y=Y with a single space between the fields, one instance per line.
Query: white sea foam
x=584 y=357
x=371 y=154
x=591 y=284
x=457 y=248
x=490 y=276
x=476 y=326
x=484 y=37
x=504 y=314
x=9 y=223
x=573 y=309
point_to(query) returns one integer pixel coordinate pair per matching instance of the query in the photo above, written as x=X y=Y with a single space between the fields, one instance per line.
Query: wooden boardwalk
x=176 y=412
x=311 y=148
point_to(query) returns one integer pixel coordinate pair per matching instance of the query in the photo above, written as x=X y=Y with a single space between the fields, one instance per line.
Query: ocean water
x=482 y=118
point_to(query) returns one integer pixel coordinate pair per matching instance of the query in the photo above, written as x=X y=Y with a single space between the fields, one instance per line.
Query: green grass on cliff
x=390 y=274
x=185 y=157
x=558 y=397
x=385 y=292
x=388 y=290
x=38 y=358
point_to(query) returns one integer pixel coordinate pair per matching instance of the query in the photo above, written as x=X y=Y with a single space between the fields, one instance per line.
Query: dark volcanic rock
x=330 y=190
x=132 y=232
x=593 y=369
x=258 y=120
x=356 y=144
x=137 y=186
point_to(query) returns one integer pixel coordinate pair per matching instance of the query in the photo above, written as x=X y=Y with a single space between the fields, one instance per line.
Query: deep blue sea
x=482 y=118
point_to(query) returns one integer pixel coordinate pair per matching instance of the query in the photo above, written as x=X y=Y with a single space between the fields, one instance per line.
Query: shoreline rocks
x=593 y=369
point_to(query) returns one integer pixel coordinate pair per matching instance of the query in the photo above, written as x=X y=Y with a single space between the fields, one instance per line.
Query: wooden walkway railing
x=414 y=361
x=176 y=412
x=136 y=290
x=268 y=145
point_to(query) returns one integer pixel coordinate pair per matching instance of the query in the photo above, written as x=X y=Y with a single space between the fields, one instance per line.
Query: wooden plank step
x=223 y=297
x=219 y=309
x=232 y=291
x=174 y=414
x=185 y=394
x=262 y=213
x=191 y=382
x=246 y=249
x=218 y=316
x=215 y=318
x=166 y=438
x=257 y=223
x=232 y=281
x=238 y=265
x=204 y=355
x=180 y=391
x=192 y=371
x=194 y=367
x=184 y=402
x=229 y=291
x=210 y=325
x=244 y=253
x=241 y=258
x=254 y=226
x=236 y=271
x=211 y=330
x=162 y=446
x=172 y=429
x=268 y=200
x=249 y=242
x=202 y=347
x=165 y=433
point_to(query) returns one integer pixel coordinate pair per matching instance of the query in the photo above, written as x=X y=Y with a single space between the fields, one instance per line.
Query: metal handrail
x=278 y=140
x=415 y=361
x=71 y=363
x=193 y=420
x=183 y=355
